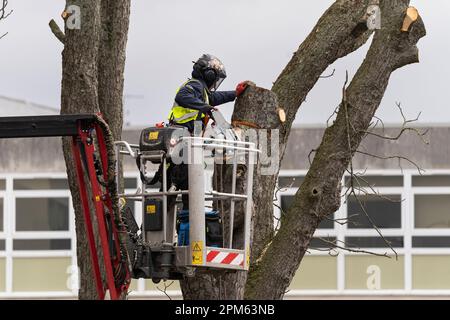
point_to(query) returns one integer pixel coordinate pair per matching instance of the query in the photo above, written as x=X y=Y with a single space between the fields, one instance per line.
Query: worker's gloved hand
x=206 y=110
x=240 y=89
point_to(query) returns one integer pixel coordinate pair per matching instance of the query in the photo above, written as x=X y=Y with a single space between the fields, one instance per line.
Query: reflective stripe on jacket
x=180 y=114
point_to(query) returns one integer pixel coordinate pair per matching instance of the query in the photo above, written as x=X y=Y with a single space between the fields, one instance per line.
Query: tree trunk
x=79 y=94
x=111 y=62
x=319 y=195
x=230 y=285
x=340 y=31
x=263 y=125
x=92 y=81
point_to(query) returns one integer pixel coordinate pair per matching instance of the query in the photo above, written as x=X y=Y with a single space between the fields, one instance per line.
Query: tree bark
x=230 y=285
x=262 y=124
x=115 y=16
x=319 y=195
x=79 y=94
x=93 y=62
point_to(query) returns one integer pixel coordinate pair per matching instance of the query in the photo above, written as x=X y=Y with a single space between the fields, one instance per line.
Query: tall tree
x=319 y=194
x=93 y=62
x=341 y=30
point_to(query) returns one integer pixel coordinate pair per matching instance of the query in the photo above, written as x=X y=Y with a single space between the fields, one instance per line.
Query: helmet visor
x=217 y=84
x=218 y=66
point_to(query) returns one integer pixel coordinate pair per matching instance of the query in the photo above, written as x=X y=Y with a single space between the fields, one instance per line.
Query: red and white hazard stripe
x=223 y=257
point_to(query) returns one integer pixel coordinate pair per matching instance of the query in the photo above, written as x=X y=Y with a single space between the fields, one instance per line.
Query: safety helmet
x=211 y=70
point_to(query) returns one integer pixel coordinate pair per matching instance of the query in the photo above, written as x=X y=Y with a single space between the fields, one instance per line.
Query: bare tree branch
x=329 y=76
x=353 y=189
x=59 y=34
x=399 y=158
x=164 y=290
x=320 y=193
x=345 y=247
x=354 y=177
x=350 y=160
x=404 y=128
x=343 y=221
x=4 y=13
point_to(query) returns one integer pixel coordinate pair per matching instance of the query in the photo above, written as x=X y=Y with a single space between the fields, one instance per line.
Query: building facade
x=411 y=209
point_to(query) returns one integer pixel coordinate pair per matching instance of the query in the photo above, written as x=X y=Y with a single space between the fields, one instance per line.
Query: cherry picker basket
x=194 y=243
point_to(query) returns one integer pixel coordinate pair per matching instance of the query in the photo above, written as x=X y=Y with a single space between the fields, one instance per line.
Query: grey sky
x=254 y=38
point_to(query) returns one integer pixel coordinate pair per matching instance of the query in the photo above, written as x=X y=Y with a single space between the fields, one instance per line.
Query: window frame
x=407 y=231
x=11 y=234
x=40 y=194
x=2 y=232
x=423 y=191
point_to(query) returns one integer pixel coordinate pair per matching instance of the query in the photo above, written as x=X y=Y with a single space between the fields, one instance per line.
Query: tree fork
x=391 y=49
x=333 y=37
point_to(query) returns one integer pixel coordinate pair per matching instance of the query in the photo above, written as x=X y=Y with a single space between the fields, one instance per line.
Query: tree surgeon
x=194 y=101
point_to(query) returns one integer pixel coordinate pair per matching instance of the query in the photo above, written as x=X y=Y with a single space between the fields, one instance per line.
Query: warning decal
x=153 y=135
x=151 y=209
x=197 y=252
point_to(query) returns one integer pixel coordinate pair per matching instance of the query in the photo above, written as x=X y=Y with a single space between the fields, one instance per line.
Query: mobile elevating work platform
x=171 y=243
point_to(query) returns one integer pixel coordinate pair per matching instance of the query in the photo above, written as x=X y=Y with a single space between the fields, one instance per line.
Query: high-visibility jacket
x=181 y=115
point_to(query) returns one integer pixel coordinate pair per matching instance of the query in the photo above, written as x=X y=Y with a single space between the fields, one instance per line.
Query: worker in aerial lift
x=198 y=96
x=195 y=100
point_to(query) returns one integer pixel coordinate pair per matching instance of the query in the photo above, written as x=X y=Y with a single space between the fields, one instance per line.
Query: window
x=431 y=242
x=1 y=214
x=28 y=274
x=322 y=243
x=2 y=274
x=373 y=273
x=42 y=244
x=291 y=182
x=42 y=251
x=286 y=201
x=42 y=214
x=376 y=181
x=130 y=183
x=133 y=285
x=42 y=239
x=432 y=211
x=373 y=242
x=43 y=184
x=427 y=200
x=430 y=272
x=384 y=211
x=431 y=181
x=316 y=272
x=171 y=285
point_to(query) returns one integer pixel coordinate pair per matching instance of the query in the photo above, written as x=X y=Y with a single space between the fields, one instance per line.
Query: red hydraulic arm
x=82 y=128
x=83 y=151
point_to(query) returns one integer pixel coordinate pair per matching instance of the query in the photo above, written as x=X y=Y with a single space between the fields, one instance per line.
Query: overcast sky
x=254 y=39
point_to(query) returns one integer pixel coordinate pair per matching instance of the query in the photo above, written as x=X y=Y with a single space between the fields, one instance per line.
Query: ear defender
x=209 y=75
